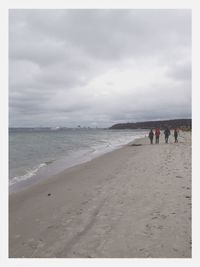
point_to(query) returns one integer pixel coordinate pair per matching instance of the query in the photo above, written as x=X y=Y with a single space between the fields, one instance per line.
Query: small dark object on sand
x=49 y=194
x=136 y=144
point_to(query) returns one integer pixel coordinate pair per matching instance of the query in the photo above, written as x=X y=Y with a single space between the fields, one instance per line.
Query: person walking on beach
x=167 y=134
x=176 y=135
x=157 y=134
x=151 y=134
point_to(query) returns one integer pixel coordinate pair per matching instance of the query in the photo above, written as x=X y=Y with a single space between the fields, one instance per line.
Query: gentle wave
x=28 y=175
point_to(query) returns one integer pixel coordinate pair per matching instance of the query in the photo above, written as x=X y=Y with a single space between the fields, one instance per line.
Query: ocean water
x=35 y=154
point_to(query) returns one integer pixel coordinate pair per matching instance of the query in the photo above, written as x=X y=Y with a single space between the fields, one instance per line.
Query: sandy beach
x=134 y=202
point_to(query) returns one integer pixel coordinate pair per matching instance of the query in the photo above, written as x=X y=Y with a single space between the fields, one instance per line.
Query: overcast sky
x=98 y=67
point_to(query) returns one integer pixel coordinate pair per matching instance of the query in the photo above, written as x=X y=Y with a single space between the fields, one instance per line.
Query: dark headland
x=184 y=124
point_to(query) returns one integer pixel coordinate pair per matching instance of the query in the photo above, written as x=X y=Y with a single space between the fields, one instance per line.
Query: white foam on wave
x=30 y=173
x=112 y=144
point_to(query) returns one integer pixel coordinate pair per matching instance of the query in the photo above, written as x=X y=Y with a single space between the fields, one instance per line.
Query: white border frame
x=95 y=4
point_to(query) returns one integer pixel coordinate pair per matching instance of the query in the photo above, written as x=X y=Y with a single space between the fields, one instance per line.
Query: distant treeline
x=184 y=124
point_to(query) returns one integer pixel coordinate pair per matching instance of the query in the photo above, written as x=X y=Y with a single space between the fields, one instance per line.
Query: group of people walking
x=166 y=133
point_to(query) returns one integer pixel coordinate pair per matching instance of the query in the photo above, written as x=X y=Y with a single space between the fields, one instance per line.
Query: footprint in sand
x=68 y=212
x=85 y=202
x=79 y=212
x=141 y=249
x=53 y=226
x=157 y=215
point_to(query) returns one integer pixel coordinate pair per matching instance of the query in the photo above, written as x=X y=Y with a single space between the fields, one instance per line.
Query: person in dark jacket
x=151 y=134
x=176 y=135
x=167 y=134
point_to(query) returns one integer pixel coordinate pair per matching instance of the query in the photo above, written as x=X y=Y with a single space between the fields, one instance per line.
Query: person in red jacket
x=157 y=134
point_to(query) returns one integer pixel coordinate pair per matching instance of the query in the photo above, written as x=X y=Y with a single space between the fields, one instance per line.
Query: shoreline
x=133 y=202
x=55 y=169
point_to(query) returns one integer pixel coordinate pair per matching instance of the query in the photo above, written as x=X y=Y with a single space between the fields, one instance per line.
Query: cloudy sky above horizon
x=98 y=67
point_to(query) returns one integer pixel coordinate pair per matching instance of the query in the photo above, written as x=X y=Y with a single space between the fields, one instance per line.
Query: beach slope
x=134 y=202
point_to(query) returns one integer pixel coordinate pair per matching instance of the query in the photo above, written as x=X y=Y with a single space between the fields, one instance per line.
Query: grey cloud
x=181 y=71
x=55 y=54
x=106 y=34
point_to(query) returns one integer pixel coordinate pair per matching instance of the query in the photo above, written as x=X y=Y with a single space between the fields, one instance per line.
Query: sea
x=37 y=153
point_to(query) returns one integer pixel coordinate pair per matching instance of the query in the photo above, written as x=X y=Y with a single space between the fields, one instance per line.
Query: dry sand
x=134 y=202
